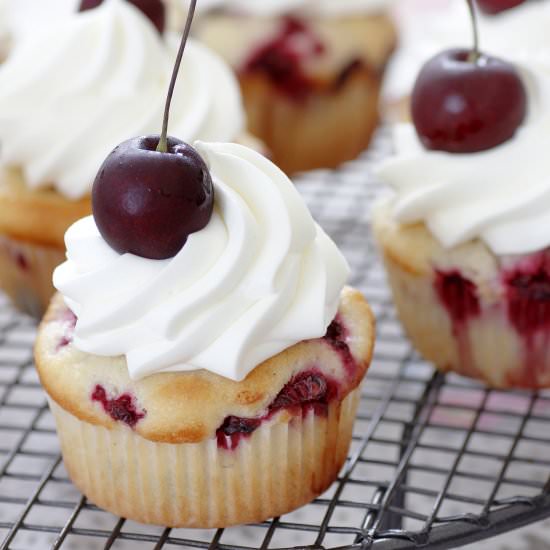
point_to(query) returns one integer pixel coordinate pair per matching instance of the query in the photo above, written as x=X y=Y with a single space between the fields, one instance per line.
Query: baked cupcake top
x=188 y=407
x=501 y=195
x=260 y=277
x=519 y=34
x=74 y=89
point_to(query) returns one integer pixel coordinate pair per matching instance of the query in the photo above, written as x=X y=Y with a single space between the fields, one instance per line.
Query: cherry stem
x=162 y=146
x=474 y=55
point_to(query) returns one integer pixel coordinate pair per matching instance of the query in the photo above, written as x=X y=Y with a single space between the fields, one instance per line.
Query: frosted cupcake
x=512 y=29
x=465 y=235
x=218 y=386
x=310 y=72
x=69 y=93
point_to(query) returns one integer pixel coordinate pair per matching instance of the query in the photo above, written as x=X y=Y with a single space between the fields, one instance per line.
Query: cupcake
x=308 y=69
x=512 y=29
x=69 y=92
x=464 y=236
x=215 y=387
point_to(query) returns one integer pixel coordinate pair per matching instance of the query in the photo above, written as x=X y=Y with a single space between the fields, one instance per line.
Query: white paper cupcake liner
x=284 y=464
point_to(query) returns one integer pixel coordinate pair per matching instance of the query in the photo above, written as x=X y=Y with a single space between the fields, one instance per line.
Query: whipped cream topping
x=259 y=278
x=273 y=8
x=426 y=28
x=501 y=196
x=24 y=17
x=71 y=92
x=4 y=29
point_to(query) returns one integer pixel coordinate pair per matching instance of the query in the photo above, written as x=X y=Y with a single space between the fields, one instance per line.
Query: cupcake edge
x=462 y=308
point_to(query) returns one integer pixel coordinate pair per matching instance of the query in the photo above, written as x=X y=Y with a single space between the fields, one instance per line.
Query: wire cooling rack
x=436 y=462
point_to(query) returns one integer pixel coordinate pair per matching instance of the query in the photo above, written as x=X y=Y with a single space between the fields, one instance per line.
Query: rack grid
x=436 y=461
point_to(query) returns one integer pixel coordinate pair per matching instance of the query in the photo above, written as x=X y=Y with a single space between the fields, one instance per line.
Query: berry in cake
x=121 y=408
x=336 y=337
x=527 y=291
x=308 y=391
x=68 y=321
x=458 y=295
x=283 y=58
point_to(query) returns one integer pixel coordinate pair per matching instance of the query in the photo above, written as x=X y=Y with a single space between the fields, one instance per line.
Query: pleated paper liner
x=284 y=464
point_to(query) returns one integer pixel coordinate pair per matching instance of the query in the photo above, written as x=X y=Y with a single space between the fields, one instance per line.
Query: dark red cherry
x=153 y=9
x=462 y=105
x=148 y=202
x=493 y=7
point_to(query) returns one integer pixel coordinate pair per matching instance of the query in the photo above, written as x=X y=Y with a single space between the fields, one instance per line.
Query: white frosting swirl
x=501 y=195
x=519 y=34
x=259 y=278
x=25 y=17
x=274 y=8
x=73 y=91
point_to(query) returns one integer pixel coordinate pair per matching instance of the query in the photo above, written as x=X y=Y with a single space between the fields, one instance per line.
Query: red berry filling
x=336 y=337
x=15 y=252
x=121 y=408
x=526 y=289
x=458 y=295
x=305 y=388
x=528 y=297
x=21 y=261
x=233 y=429
x=527 y=293
x=307 y=391
x=282 y=58
x=68 y=320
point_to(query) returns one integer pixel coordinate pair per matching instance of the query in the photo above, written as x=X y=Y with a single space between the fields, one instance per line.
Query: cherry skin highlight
x=492 y=7
x=148 y=202
x=460 y=105
x=153 y=9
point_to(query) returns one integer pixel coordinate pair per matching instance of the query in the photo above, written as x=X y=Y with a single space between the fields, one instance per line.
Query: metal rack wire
x=436 y=462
